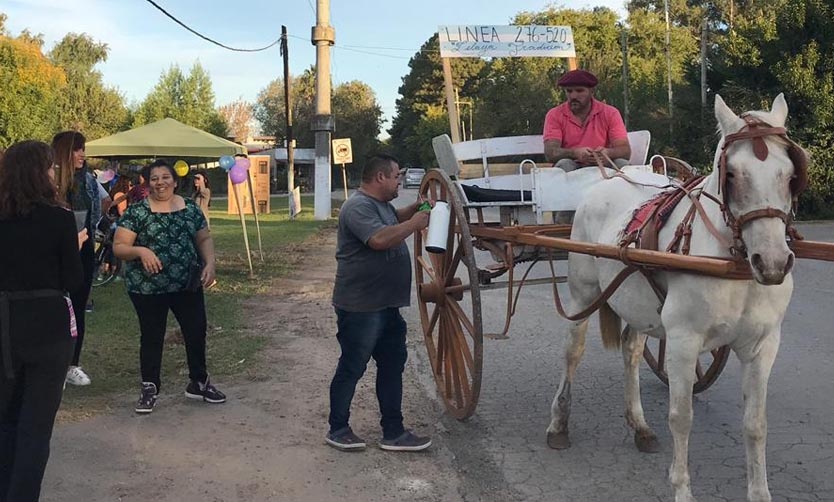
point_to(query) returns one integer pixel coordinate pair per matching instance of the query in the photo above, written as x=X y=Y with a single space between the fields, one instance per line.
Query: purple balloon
x=242 y=162
x=237 y=175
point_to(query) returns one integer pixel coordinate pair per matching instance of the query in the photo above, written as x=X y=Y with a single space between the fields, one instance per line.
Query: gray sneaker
x=407 y=441
x=345 y=440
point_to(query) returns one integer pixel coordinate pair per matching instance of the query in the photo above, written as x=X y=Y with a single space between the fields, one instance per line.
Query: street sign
x=506 y=41
x=342 y=152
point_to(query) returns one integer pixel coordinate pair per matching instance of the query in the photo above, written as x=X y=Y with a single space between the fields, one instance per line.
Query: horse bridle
x=756 y=130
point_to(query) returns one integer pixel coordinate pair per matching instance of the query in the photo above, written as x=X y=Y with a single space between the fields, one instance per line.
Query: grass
x=111 y=346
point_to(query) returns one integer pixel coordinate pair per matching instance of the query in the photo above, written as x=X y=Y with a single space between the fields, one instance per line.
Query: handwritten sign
x=506 y=41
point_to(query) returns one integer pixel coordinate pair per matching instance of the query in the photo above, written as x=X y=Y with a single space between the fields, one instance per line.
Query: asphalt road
x=501 y=451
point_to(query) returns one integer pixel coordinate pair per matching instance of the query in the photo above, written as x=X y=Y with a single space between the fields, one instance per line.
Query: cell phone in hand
x=80 y=219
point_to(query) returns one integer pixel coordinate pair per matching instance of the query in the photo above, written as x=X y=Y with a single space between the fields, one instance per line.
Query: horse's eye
x=730 y=175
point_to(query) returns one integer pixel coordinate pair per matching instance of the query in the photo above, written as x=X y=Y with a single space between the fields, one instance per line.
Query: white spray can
x=438 y=232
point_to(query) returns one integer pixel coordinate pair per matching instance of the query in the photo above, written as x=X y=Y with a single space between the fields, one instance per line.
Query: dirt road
x=266 y=443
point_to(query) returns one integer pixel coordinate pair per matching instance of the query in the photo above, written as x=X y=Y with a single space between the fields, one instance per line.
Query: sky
x=374 y=38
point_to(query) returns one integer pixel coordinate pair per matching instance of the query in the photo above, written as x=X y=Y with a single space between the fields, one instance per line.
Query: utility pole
x=703 y=65
x=669 y=70
x=624 y=44
x=285 y=52
x=470 y=104
x=323 y=37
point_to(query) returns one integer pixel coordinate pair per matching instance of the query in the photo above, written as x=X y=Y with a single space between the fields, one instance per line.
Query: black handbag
x=195 y=280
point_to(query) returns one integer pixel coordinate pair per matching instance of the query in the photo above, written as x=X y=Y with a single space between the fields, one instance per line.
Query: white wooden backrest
x=450 y=154
x=639 y=143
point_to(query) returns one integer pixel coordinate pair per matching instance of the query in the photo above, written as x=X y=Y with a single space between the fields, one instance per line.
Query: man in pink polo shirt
x=582 y=125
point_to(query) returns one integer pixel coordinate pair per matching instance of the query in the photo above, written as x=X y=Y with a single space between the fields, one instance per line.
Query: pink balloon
x=237 y=175
x=242 y=162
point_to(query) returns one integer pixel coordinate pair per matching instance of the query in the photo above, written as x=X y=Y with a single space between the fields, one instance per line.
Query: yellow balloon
x=181 y=168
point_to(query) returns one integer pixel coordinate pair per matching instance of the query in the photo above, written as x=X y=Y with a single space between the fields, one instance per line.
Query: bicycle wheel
x=106 y=265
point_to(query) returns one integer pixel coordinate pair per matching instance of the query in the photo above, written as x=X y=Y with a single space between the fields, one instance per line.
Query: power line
x=207 y=38
x=310 y=3
x=371 y=53
x=356 y=48
x=390 y=48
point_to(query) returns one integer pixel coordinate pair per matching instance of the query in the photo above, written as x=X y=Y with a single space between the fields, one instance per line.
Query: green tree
x=30 y=89
x=188 y=99
x=269 y=109
x=786 y=46
x=238 y=115
x=357 y=116
x=87 y=105
x=423 y=90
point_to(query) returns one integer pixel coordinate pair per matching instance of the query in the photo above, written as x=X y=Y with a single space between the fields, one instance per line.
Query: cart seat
x=474 y=193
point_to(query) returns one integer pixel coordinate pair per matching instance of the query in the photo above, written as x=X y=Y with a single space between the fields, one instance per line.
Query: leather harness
x=647 y=221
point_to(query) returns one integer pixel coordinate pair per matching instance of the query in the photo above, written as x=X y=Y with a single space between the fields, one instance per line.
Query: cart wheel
x=450 y=303
x=710 y=364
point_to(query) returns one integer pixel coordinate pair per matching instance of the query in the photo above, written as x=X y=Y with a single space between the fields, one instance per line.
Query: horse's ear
x=728 y=121
x=779 y=111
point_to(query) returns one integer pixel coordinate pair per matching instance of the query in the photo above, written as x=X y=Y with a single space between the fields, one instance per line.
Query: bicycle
x=107 y=266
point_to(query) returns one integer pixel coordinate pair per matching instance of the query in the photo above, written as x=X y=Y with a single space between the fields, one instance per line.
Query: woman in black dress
x=39 y=263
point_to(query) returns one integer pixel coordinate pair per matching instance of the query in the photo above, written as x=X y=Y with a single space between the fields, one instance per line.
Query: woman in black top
x=80 y=191
x=39 y=262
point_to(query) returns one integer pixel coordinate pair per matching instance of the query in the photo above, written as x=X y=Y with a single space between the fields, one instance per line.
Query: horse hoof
x=646 y=443
x=558 y=440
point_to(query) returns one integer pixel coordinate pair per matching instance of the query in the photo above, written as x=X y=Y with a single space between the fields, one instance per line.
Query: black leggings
x=80 y=296
x=190 y=310
x=28 y=404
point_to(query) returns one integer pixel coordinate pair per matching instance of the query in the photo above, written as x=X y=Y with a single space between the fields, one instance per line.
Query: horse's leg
x=644 y=438
x=682 y=349
x=755 y=373
x=557 y=431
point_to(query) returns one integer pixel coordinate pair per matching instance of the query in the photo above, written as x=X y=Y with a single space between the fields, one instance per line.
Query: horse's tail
x=611 y=326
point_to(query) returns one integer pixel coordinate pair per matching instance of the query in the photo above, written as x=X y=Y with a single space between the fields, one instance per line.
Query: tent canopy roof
x=164 y=138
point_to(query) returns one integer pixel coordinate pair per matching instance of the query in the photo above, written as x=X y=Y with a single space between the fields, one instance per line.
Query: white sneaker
x=76 y=376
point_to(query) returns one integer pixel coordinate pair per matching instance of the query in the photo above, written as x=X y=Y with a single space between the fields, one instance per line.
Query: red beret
x=578 y=78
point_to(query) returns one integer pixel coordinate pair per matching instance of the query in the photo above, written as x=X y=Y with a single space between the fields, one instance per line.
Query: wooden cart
x=449 y=284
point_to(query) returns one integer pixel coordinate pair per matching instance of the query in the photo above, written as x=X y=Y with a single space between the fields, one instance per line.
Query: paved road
x=503 y=445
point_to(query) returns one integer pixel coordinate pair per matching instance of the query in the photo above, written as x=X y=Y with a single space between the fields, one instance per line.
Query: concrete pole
x=323 y=37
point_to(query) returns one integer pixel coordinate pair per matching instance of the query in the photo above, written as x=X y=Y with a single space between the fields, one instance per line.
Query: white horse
x=700 y=313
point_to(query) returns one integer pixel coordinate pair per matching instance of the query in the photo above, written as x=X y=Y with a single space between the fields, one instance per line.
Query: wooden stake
x=236 y=186
x=255 y=212
x=454 y=121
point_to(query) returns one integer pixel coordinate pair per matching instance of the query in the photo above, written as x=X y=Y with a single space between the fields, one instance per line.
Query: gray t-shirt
x=369 y=280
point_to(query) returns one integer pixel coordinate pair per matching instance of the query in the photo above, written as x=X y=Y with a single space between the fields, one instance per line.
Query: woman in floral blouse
x=170 y=257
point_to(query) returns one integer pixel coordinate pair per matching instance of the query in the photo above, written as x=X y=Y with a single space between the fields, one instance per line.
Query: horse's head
x=760 y=172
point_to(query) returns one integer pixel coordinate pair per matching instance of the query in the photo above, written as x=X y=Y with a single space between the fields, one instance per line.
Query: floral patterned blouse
x=171 y=236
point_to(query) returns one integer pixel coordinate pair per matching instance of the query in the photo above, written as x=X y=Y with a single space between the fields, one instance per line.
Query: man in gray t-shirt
x=373 y=280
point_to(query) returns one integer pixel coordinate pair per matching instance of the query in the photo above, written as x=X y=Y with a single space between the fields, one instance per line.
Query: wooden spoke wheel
x=450 y=303
x=709 y=367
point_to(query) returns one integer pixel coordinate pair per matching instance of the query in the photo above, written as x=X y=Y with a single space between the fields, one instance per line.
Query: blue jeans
x=363 y=335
